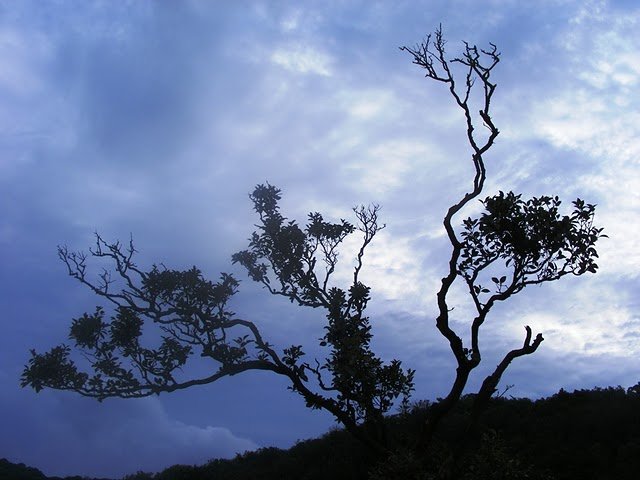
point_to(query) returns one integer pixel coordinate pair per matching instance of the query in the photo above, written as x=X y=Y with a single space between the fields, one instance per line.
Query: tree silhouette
x=529 y=242
x=512 y=244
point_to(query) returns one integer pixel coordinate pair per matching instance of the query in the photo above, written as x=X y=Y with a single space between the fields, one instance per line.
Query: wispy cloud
x=300 y=58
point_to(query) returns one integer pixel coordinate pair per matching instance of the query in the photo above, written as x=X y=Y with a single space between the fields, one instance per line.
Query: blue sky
x=156 y=119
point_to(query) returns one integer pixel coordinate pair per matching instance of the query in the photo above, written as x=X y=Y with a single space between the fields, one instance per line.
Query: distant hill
x=586 y=435
x=11 y=471
x=19 y=471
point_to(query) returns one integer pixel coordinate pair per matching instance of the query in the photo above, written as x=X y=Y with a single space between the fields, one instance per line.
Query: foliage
x=284 y=258
x=514 y=243
x=530 y=237
x=587 y=434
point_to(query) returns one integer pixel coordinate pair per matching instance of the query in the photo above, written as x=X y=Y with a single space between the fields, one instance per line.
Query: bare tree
x=512 y=244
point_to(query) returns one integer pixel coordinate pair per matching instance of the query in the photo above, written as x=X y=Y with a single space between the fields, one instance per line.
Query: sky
x=156 y=119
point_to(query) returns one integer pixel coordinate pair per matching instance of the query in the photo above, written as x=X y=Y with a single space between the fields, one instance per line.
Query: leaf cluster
x=190 y=314
x=529 y=240
x=298 y=263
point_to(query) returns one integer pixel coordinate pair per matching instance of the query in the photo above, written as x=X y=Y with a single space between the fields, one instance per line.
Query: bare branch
x=490 y=384
x=368 y=224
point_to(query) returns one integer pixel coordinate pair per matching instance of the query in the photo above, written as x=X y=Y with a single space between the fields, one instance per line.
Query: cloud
x=299 y=58
x=595 y=113
x=22 y=55
x=66 y=435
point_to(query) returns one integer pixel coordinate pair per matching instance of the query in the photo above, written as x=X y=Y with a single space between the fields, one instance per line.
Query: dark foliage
x=587 y=435
x=15 y=471
x=19 y=471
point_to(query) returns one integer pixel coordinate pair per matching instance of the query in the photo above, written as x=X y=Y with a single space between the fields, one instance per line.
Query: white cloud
x=588 y=321
x=301 y=58
x=384 y=166
x=20 y=55
x=595 y=113
x=291 y=21
x=369 y=103
x=394 y=271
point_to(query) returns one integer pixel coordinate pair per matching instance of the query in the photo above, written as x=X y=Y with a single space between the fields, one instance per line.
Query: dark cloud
x=62 y=434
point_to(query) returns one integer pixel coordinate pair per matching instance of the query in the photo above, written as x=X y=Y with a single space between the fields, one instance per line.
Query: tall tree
x=514 y=243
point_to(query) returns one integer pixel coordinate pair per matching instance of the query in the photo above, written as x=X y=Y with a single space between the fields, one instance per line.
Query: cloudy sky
x=156 y=119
